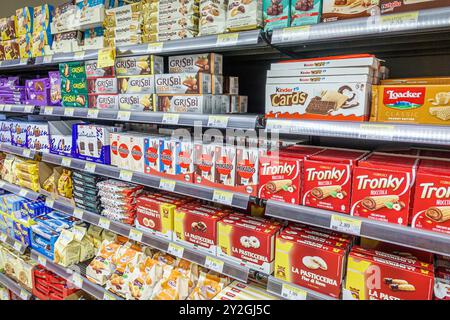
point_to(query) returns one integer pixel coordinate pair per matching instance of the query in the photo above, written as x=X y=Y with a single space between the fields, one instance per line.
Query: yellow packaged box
x=25 y=45
x=420 y=100
x=24 y=18
x=67 y=249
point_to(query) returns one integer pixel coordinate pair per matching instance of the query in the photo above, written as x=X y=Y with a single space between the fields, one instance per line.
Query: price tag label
x=47 y=59
x=3 y=237
x=108 y=296
x=168 y=185
x=92 y=113
x=26 y=153
x=24 y=294
x=106 y=57
x=23 y=193
x=90 y=167
x=7 y=108
x=296 y=33
x=79 y=55
x=214 y=264
x=170 y=118
x=218 y=121
x=227 y=39
x=223 y=197
x=2 y=107
x=42 y=261
x=66 y=162
x=135 y=235
x=292 y=293
x=23 y=61
x=126 y=175
x=104 y=223
x=28 y=109
x=68 y=112
x=345 y=224
x=2 y=184
x=398 y=21
x=78 y=213
x=376 y=131
x=155 y=47
x=48 y=111
x=123 y=115
x=175 y=250
x=17 y=246
x=49 y=202
x=77 y=280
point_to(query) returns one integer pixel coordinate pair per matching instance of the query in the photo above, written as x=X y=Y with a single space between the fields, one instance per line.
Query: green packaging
x=276 y=14
x=72 y=70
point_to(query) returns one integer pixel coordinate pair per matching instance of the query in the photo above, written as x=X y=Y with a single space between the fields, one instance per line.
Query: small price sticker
x=175 y=250
x=170 y=118
x=23 y=61
x=218 y=121
x=345 y=224
x=376 y=131
x=106 y=57
x=126 y=175
x=227 y=39
x=47 y=59
x=7 y=108
x=214 y=264
x=2 y=184
x=167 y=185
x=77 y=280
x=79 y=55
x=78 y=213
x=123 y=115
x=398 y=21
x=135 y=235
x=48 y=111
x=24 y=294
x=108 y=296
x=104 y=223
x=3 y=237
x=23 y=193
x=2 y=107
x=292 y=293
x=66 y=162
x=155 y=47
x=68 y=112
x=42 y=261
x=90 y=167
x=17 y=246
x=26 y=153
x=296 y=33
x=28 y=109
x=49 y=202
x=92 y=113
x=223 y=197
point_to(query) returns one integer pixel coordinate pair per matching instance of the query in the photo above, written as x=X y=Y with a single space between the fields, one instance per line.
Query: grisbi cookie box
x=226 y=166
x=327 y=179
x=431 y=209
x=373 y=275
x=249 y=241
x=382 y=188
x=311 y=259
x=165 y=156
x=281 y=173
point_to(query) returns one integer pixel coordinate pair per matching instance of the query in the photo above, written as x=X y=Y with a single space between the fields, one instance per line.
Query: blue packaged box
x=54 y=224
x=21 y=232
x=43 y=239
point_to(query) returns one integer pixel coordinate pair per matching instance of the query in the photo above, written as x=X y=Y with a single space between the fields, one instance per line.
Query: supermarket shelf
x=236 y=200
x=147 y=238
x=64 y=57
x=14 y=64
x=18 y=151
x=23 y=192
x=16 y=245
x=408 y=133
x=15 y=287
x=181 y=119
x=291 y=291
x=387 y=232
x=418 y=22
x=75 y=275
x=17 y=108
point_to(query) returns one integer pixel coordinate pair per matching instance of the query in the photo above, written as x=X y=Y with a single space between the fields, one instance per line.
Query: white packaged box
x=202 y=104
x=213 y=16
x=319 y=72
x=183 y=83
x=337 y=62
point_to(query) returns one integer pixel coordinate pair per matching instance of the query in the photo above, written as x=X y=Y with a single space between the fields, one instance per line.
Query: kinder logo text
x=390 y=182
x=334 y=174
x=285 y=97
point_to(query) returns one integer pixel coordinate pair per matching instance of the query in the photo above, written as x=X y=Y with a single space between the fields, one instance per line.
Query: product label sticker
x=155 y=47
x=7 y=108
x=108 y=296
x=345 y=224
x=49 y=202
x=214 y=264
x=79 y=55
x=89 y=167
x=78 y=213
x=17 y=246
x=2 y=107
x=77 y=280
x=3 y=237
x=167 y=185
x=170 y=118
x=23 y=193
x=42 y=261
x=66 y=162
x=48 y=111
x=123 y=115
x=135 y=235
x=218 y=121
x=68 y=112
x=26 y=153
x=126 y=175
x=175 y=250
x=92 y=113
x=223 y=197
x=47 y=59
x=24 y=294
x=104 y=223
x=397 y=21
x=28 y=109
x=2 y=184
x=227 y=39
x=292 y=293
x=106 y=58
x=296 y=33
x=376 y=131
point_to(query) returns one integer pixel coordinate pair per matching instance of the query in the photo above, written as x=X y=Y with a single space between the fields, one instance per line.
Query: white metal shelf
x=16 y=288
x=13 y=243
x=388 y=232
x=76 y=276
x=291 y=291
x=408 y=133
x=17 y=108
x=23 y=192
x=18 y=151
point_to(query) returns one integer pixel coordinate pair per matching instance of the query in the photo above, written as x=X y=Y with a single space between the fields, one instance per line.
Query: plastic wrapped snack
x=65 y=186
x=146 y=275
x=208 y=286
x=101 y=268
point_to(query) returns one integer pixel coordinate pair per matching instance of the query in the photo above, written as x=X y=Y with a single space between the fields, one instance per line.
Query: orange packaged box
x=420 y=100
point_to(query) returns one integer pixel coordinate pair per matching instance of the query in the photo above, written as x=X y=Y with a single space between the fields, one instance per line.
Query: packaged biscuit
x=244 y=15
x=67 y=249
x=137 y=102
x=183 y=83
x=26 y=45
x=202 y=104
x=72 y=70
x=101 y=268
x=42 y=17
x=348 y=9
x=24 y=18
x=305 y=12
x=213 y=16
x=124 y=15
x=206 y=63
x=141 y=65
x=8 y=28
x=137 y=84
x=92 y=70
x=103 y=85
x=11 y=49
x=104 y=101
x=276 y=14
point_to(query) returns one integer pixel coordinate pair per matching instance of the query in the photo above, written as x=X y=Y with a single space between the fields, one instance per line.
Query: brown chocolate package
x=396 y=6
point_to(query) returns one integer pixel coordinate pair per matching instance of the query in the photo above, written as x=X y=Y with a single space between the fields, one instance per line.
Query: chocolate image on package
x=438 y=214
x=325 y=192
x=399 y=285
x=378 y=202
x=276 y=186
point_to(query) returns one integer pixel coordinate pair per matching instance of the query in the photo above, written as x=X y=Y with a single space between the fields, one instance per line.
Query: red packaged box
x=196 y=228
x=302 y=235
x=431 y=209
x=310 y=264
x=327 y=179
x=374 y=278
x=248 y=244
x=332 y=236
x=280 y=173
x=382 y=188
